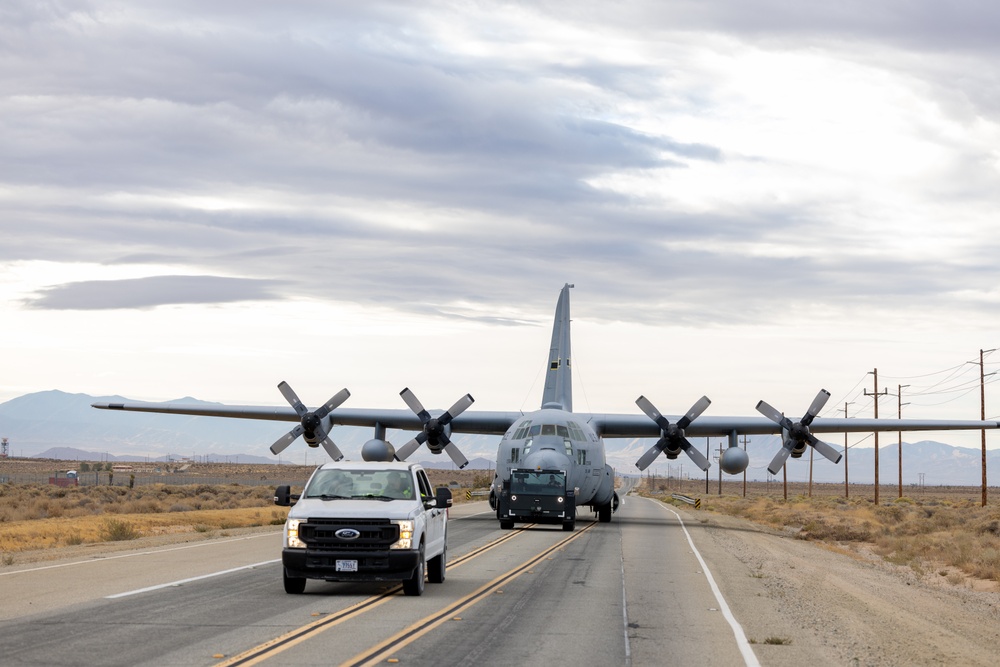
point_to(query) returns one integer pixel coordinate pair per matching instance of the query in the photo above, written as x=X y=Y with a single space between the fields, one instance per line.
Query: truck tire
x=415 y=584
x=506 y=524
x=293 y=585
x=604 y=513
x=436 y=567
x=569 y=525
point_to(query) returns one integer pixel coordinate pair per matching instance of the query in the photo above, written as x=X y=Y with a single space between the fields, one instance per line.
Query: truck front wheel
x=293 y=585
x=415 y=584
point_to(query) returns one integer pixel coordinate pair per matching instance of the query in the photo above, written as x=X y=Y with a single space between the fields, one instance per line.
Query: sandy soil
x=829 y=605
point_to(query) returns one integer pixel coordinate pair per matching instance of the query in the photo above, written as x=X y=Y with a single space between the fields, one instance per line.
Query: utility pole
x=719 y=459
x=847 y=489
x=708 y=453
x=982 y=413
x=745 y=440
x=899 y=395
x=876 y=394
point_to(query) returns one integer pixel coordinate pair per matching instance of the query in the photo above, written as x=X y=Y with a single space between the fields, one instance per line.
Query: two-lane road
x=633 y=591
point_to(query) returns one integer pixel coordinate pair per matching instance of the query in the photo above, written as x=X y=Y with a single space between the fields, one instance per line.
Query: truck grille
x=321 y=534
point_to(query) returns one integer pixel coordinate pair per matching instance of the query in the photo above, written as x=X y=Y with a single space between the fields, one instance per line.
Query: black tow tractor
x=536 y=496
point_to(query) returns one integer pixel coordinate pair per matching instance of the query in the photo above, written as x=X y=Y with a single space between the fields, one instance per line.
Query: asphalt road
x=635 y=591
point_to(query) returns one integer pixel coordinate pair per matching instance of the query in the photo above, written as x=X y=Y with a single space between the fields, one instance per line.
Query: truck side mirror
x=283 y=496
x=443 y=497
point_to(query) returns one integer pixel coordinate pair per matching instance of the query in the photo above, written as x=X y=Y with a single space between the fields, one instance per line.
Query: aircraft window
x=522 y=430
x=562 y=431
x=548 y=429
x=576 y=432
x=569 y=447
x=581 y=457
x=536 y=429
x=515 y=454
x=527 y=446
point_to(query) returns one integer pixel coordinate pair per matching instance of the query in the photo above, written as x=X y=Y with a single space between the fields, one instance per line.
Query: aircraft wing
x=483 y=422
x=639 y=426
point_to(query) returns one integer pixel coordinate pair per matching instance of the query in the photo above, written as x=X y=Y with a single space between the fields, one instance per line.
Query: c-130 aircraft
x=554 y=437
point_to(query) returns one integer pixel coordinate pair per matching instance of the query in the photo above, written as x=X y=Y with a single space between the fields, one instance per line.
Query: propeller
x=435 y=429
x=672 y=438
x=311 y=423
x=797 y=434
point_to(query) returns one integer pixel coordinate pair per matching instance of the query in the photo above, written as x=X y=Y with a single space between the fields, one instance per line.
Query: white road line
x=101 y=559
x=741 y=639
x=187 y=581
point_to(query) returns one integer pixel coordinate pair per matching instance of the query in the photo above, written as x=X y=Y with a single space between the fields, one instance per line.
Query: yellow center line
x=409 y=635
x=271 y=648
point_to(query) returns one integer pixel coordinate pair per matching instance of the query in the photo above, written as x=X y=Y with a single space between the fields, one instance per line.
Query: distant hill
x=55 y=424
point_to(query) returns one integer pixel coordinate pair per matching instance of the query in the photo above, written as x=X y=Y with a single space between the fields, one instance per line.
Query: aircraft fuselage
x=555 y=439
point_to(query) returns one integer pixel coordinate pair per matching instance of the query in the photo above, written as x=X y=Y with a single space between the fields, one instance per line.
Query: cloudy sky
x=754 y=199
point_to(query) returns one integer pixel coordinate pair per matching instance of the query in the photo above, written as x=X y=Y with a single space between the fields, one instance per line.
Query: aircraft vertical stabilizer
x=559 y=376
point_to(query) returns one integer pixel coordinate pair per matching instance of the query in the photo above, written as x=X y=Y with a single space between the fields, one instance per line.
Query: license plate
x=347 y=566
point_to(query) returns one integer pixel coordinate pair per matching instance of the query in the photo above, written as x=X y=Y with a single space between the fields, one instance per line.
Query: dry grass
x=957 y=539
x=41 y=516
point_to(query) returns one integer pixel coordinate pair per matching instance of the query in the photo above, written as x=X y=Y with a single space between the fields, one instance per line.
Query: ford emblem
x=348 y=534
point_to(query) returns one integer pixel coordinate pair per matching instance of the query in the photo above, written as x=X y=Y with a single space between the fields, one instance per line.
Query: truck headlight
x=405 y=540
x=292 y=540
x=559 y=499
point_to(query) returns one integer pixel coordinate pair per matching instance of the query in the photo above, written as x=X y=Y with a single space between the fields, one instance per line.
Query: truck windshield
x=539 y=483
x=382 y=484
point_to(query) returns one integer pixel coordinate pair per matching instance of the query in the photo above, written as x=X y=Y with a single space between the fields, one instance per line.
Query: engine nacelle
x=378 y=450
x=672 y=452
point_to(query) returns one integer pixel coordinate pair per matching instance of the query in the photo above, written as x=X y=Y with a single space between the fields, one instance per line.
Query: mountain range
x=45 y=424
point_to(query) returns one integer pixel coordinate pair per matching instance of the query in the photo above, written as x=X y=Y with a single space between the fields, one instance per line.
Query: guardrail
x=685 y=499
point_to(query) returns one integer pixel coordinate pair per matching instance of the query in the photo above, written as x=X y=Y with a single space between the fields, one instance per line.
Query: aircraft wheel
x=436 y=567
x=293 y=585
x=415 y=584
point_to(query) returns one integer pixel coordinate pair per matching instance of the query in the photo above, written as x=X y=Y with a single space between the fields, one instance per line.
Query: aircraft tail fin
x=559 y=376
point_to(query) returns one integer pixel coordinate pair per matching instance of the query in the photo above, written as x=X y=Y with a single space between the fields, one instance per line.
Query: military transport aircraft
x=554 y=437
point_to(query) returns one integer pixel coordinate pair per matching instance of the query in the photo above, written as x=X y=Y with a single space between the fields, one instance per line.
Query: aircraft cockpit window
x=562 y=431
x=536 y=429
x=575 y=432
x=548 y=429
x=522 y=430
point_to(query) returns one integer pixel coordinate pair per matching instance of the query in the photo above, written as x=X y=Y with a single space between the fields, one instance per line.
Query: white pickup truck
x=366 y=521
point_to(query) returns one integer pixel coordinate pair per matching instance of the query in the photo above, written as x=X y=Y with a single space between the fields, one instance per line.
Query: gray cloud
x=151 y=292
x=312 y=107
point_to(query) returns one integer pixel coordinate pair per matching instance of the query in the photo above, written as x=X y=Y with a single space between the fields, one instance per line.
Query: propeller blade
x=292 y=398
x=406 y=450
x=332 y=449
x=287 y=439
x=779 y=460
x=771 y=413
x=414 y=404
x=696 y=456
x=456 y=455
x=649 y=456
x=461 y=405
x=333 y=403
x=650 y=410
x=694 y=413
x=826 y=450
x=817 y=405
